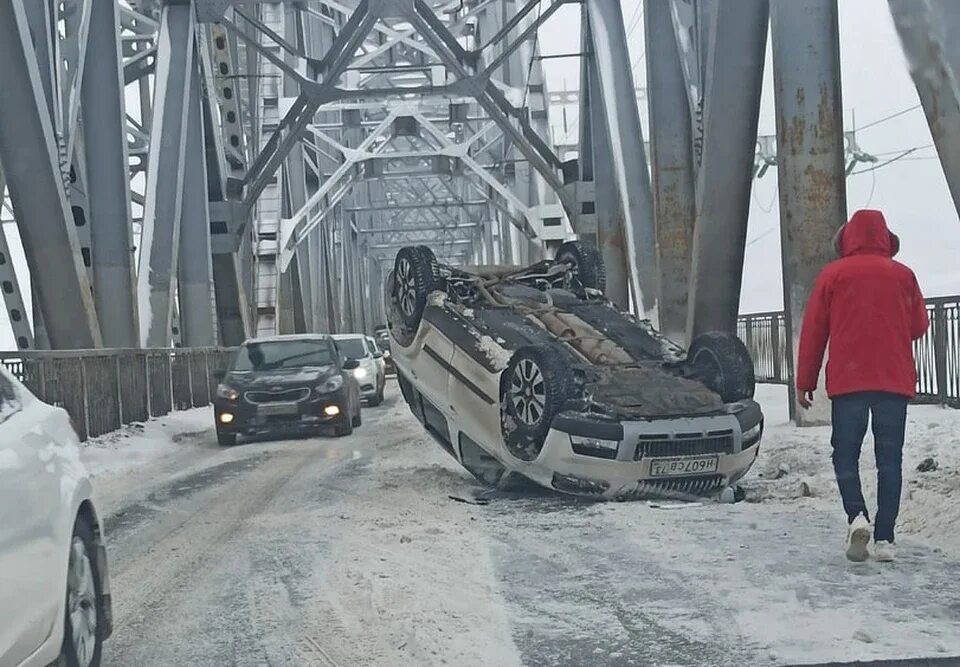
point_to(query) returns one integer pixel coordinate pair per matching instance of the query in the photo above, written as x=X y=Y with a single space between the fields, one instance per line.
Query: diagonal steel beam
x=159 y=241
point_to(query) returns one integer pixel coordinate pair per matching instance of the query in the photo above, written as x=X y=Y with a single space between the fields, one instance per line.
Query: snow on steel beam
x=28 y=152
x=12 y=296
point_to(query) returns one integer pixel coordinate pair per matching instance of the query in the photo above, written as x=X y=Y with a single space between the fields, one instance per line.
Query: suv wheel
x=587 y=264
x=722 y=362
x=416 y=275
x=533 y=389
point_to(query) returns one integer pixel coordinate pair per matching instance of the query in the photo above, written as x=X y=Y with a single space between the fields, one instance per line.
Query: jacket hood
x=866 y=234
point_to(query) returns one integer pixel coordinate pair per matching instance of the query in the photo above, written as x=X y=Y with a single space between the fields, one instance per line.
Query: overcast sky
x=912 y=191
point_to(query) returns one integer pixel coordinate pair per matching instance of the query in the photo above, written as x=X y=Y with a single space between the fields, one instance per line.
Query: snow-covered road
x=350 y=551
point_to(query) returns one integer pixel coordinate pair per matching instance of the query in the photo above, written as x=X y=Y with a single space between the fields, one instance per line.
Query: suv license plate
x=272 y=409
x=696 y=465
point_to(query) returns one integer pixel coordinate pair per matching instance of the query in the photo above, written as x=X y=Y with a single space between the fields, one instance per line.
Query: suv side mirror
x=350 y=364
x=378 y=355
x=219 y=374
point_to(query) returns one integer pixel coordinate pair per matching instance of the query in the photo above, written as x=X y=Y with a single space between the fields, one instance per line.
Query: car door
x=30 y=508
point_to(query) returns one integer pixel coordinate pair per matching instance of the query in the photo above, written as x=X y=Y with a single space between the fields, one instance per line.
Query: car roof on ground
x=288 y=337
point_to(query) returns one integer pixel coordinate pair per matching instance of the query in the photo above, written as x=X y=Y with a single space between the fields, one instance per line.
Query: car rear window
x=282 y=354
x=352 y=348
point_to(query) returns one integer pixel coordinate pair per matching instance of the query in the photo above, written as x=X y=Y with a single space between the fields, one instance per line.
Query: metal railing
x=105 y=389
x=937 y=354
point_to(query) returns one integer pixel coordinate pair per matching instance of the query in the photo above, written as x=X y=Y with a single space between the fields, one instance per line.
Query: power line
x=885 y=163
x=635 y=19
x=890 y=117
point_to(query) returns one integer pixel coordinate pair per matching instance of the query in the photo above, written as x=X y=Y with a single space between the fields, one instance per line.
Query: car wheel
x=416 y=275
x=533 y=389
x=357 y=419
x=722 y=362
x=587 y=263
x=226 y=439
x=83 y=620
x=344 y=428
x=376 y=399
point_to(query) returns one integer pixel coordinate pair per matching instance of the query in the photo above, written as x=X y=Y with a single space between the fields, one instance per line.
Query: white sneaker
x=884 y=551
x=858 y=537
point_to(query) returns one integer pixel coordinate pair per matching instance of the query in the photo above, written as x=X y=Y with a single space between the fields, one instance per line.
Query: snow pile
x=498 y=356
x=795 y=467
x=138 y=444
x=437 y=298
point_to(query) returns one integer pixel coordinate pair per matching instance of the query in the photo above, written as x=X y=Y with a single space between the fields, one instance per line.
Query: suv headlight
x=752 y=434
x=360 y=372
x=331 y=384
x=595 y=446
x=227 y=392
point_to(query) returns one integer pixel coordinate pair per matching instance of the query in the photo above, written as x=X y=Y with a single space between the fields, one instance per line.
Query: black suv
x=286 y=383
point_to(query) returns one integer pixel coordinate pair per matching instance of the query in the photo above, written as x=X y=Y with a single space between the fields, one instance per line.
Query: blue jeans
x=850 y=416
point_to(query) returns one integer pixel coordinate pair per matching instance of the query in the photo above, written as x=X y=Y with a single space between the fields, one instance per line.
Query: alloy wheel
x=82 y=603
x=406 y=287
x=528 y=393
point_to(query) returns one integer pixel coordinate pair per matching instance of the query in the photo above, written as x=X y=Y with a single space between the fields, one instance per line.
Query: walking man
x=869 y=309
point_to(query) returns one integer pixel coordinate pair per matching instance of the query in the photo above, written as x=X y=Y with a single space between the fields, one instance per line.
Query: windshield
x=282 y=354
x=352 y=348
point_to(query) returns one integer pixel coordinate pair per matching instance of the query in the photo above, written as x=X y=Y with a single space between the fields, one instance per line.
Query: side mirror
x=378 y=355
x=219 y=374
x=350 y=364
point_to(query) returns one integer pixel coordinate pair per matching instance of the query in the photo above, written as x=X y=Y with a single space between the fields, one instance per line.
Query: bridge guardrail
x=105 y=389
x=937 y=354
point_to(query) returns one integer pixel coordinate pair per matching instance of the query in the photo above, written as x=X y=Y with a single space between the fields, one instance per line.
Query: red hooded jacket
x=869 y=308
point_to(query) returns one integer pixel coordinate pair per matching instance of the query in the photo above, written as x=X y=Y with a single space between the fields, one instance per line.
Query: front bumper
x=249 y=418
x=681 y=457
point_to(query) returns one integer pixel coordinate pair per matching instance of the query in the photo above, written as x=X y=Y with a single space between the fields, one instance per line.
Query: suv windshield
x=352 y=348
x=282 y=354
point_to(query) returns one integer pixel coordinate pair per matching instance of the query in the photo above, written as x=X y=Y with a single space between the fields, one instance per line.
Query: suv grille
x=283 y=396
x=684 y=444
x=677 y=487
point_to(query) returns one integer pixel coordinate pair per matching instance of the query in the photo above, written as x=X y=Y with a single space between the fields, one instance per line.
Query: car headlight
x=227 y=392
x=595 y=446
x=360 y=373
x=331 y=384
x=752 y=434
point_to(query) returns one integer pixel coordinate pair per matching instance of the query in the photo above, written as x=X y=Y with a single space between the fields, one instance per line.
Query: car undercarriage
x=542 y=347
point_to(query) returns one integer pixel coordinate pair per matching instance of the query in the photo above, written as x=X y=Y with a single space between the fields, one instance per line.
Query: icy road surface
x=350 y=551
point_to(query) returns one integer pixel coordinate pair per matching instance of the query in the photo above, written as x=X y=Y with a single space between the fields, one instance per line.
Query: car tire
x=344 y=428
x=226 y=439
x=376 y=399
x=417 y=274
x=587 y=263
x=357 y=419
x=534 y=387
x=84 y=604
x=722 y=362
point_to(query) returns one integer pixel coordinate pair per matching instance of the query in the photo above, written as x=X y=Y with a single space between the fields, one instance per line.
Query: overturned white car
x=532 y=371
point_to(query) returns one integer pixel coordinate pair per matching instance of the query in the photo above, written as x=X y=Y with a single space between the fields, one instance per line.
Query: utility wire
x=886 y=162
x=890 y=117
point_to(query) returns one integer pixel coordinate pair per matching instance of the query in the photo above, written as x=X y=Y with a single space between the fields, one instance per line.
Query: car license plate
x=687 y=465
x=272 y=409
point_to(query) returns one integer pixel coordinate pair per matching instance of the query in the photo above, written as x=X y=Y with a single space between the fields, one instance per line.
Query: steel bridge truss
x=197 y=171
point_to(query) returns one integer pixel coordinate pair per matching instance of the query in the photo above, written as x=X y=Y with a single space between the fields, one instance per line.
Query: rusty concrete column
x=810 y=164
